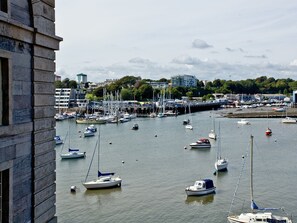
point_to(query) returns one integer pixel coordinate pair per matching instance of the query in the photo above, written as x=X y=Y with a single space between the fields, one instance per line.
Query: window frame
x=7 y=166
x=5 y=8
x=6 y=84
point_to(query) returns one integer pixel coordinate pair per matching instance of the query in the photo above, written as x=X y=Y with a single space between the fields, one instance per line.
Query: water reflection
x=204 y=200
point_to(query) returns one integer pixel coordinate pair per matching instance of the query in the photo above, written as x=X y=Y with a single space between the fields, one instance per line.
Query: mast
x=251 y=174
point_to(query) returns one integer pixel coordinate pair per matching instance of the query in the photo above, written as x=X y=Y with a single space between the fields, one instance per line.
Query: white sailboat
x=212 y=134
x=257 y=214
x=104 y=180
x=73 y=153
x=221 y=164
x=189 y=125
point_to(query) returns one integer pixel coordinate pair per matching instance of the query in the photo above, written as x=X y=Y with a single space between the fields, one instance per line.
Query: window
x=3 y=6
x=4 y=196
x=4 y=95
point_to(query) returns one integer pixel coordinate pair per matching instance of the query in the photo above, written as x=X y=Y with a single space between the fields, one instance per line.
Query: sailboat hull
x=258 y=217
x=103 y=182
x=221 y=165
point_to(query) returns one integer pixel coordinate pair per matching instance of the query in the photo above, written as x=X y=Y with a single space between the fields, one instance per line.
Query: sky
x=154 y=39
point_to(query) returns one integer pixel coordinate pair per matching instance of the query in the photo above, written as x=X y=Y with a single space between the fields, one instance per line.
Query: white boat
x=58 y=140
x=212 y=134
x=201 y=143
x=289 y=120
x=189 y=126
x=201 y=187
x=73 y=154
x=103 y=180
x=221 y=164
x=92 y=128
x=243 y=122
x=88 y=133
x=257 y=214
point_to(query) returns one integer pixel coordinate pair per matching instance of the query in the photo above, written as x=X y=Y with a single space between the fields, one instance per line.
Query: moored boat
x=201 y=143
x=73 y=154
x=58 y=140
x=268 y=132
x=135 y=126
x=201 y=187
x=289 y=120
x=243 y=122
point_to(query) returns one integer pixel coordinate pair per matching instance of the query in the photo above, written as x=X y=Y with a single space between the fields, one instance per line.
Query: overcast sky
x=215 y=39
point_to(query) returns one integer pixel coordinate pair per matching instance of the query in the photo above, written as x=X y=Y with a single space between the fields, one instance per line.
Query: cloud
x=187 y=60
x=258 y=57
x=293 y=63
x=200 y=44
x=234 y=50
x=139 y=60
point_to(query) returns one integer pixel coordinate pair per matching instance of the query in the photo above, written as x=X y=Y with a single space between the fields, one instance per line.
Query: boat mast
x=251 y=174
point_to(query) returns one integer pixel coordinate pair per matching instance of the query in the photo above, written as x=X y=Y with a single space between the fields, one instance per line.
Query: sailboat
x=189 y=125
x=104 y=180
x=221 y=164
x=212 y=134
x=257 y=214
x=73 y=153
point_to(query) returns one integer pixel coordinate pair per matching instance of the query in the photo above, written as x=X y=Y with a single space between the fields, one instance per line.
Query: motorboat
x=243 y=122
x=58 y=140
x=103 y=181
x=73 y=154
x=268 y=132
x=135 y=126
x=201 y=187
x=201 y=143
x=92 y=128
x=88 y=133
x=289 y=120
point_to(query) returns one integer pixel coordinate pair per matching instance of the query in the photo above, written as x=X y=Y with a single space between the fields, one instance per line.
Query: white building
x=63 y=97
x=184 y=81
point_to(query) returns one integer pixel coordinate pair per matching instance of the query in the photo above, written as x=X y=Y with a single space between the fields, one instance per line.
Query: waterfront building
x=184 y=81
x=27 y=126
x=63 y=96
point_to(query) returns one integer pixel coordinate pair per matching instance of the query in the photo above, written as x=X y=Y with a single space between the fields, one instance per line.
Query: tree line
x=136 y=88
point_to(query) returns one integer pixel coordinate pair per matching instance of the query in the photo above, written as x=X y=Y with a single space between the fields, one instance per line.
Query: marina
x=156 y=164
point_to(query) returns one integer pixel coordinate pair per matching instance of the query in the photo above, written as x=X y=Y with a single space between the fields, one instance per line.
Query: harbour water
x=156 y=164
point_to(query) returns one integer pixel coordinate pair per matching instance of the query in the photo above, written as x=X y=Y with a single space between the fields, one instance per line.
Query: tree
x=126 y=94
x=146 y=91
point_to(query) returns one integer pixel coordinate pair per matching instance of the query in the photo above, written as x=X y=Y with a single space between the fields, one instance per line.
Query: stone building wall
x=28 y=41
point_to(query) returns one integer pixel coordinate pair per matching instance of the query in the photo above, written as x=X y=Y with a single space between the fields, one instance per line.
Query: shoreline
x=262 y=112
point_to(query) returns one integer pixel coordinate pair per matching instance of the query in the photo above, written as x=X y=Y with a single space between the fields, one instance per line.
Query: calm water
x=157 y=168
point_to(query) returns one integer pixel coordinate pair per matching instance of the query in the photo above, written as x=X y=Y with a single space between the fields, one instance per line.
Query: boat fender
x=110 y=143
x=123 y=161
x=185 y=147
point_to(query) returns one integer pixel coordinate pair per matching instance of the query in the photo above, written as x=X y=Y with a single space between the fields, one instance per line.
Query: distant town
x=175 y=92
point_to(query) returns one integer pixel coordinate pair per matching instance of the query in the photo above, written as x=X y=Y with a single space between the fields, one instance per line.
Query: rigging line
x=238 y=181
x=64 y=142
x=92 y=159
